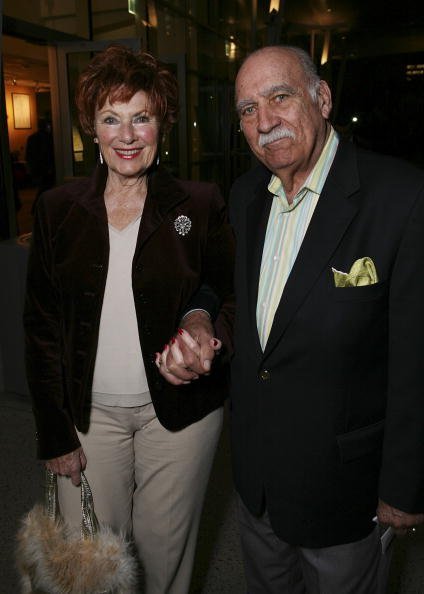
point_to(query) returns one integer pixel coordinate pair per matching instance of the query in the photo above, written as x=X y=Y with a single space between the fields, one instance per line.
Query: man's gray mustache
x=275 y=135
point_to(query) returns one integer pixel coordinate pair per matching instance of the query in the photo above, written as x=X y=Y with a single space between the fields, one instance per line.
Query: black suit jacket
x=331 y=415
x=66 y=280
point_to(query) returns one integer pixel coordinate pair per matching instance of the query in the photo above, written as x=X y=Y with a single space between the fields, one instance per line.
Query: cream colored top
x=119 y=374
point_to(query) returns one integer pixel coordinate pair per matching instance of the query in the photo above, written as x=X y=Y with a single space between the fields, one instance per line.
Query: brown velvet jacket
x=65 y=285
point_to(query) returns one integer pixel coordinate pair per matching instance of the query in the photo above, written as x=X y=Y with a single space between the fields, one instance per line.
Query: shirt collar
x=316 y=179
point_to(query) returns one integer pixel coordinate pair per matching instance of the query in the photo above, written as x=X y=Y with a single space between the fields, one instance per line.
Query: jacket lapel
x=92 y=197
x=256 y=223
x=332 y=216
x=163 y=194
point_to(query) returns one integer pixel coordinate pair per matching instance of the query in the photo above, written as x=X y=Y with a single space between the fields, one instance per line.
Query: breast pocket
x=364 y=293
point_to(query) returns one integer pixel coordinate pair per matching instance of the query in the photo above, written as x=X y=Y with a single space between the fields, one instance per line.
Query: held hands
x=400 y=521
x=190 y=352
x=69 y=465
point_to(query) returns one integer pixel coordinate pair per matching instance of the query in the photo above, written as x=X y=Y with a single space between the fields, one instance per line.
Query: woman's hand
x=69 y=465
x=191 y=351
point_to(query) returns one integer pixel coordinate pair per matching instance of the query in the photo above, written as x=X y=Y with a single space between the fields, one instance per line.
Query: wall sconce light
x=21 y=111
x=274 y=5
x=131 y=6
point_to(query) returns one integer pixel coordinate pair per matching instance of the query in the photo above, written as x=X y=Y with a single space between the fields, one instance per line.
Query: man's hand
x=69 y=465
x=400 y=521
x=191 y=351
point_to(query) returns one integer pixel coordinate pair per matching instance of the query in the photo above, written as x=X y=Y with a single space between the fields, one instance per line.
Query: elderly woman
x=115 y=260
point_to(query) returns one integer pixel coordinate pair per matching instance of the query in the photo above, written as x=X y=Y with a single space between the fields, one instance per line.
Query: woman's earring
x=157 y=160
x=96 y=140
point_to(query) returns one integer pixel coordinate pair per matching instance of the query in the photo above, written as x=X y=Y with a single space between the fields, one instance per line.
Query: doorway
x=29 y=124
x=46 y=147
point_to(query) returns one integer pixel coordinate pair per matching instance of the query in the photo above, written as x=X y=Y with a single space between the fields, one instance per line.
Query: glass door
x=75 y=153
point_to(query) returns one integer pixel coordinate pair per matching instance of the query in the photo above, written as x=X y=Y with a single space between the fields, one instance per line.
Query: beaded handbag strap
x=89 y=522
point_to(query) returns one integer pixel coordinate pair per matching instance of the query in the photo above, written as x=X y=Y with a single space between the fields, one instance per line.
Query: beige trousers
x=150 y=483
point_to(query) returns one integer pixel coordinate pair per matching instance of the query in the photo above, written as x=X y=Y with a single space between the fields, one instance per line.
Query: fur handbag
x=55 y=559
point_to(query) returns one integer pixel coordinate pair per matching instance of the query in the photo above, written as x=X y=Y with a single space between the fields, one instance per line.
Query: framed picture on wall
x=21 y=111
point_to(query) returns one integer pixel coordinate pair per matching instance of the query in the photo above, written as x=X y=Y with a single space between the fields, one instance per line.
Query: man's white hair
x=306 y=62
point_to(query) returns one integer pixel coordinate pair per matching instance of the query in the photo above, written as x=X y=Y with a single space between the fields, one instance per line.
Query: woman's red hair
x=117 y=73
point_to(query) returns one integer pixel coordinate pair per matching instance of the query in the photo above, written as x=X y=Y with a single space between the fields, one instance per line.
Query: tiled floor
x=218 y=567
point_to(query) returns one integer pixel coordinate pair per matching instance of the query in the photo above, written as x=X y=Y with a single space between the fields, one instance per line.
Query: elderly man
x=327 y=379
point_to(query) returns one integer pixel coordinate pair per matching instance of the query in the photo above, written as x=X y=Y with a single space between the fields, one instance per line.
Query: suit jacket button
x=264 y=374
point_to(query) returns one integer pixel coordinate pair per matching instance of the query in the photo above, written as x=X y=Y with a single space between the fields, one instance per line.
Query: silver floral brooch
x=182 y=225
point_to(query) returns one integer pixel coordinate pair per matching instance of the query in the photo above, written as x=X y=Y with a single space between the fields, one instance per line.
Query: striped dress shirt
x=287 y=225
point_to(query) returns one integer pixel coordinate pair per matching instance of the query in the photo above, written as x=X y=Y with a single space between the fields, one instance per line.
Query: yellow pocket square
x=362 y=273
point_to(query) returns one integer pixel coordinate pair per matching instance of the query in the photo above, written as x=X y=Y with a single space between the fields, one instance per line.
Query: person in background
x=115 y=259
x=327 y=377
x=39 y=156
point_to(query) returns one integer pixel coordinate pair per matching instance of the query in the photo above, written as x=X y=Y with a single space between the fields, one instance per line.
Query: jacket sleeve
x=56 y=434
x=216 y=295
x=402 y=472
x=204 y=298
